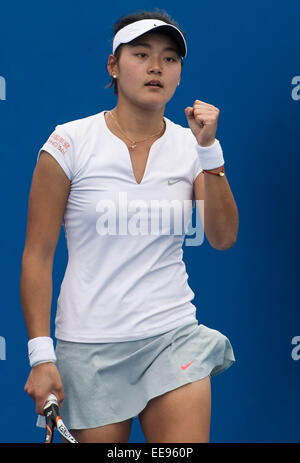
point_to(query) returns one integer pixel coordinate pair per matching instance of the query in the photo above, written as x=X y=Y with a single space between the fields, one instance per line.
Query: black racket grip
x=51 y=411
x=53 y=420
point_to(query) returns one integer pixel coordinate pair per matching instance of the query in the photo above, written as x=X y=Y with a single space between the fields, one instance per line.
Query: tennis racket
x=53 y=420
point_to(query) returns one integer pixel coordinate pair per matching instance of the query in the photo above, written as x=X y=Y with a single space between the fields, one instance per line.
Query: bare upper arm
x=49 y=193
x=199 y=186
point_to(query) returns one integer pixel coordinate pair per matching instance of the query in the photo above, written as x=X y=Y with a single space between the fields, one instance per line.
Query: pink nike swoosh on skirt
x=183 y=367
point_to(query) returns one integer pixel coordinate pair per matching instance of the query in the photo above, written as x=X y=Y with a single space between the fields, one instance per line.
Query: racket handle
x=51 y=399
x=51 y=411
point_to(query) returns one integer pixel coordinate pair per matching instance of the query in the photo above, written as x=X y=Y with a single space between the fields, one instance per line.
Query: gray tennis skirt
x=106 y=383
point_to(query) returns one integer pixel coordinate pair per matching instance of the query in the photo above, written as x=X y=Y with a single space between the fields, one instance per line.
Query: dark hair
x=131 y=18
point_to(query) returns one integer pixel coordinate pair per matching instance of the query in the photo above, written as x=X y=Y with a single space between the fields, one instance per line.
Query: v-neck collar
x=154 y=144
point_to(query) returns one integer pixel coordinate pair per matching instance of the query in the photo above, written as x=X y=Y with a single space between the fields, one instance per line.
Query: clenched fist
x=203 y=119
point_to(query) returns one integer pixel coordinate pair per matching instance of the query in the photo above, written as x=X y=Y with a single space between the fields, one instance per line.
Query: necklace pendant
x=133 y=146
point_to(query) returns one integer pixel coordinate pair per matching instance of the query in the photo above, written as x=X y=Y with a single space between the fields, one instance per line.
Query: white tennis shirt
x=125 y=278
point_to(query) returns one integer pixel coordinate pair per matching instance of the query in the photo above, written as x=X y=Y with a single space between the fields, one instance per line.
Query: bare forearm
x=220 y=211
x=36 y=294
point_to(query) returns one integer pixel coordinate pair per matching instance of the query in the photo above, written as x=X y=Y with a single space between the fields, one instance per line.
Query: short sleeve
x=60 y=146
x=197 y=168
x=190 y=147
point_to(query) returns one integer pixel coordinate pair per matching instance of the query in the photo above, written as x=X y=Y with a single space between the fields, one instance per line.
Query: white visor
x=134 y=30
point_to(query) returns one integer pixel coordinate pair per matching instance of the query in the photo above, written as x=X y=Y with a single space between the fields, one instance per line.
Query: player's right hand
x=43 y=380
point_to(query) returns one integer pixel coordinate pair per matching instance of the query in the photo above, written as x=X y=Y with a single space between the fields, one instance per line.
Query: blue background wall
x=242 y=57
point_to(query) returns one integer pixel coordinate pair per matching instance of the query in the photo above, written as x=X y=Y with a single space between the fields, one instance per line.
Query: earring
x=114 y=76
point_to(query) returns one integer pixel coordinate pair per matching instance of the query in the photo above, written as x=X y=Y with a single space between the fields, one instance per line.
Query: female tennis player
x=128 y=340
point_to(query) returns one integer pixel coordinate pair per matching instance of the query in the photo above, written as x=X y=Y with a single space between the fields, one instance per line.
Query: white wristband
x=41 y=350
x=211 y=156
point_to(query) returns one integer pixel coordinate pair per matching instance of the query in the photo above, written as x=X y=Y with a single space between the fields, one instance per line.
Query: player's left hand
x=203 y=119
